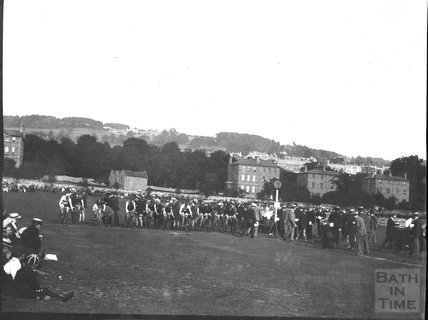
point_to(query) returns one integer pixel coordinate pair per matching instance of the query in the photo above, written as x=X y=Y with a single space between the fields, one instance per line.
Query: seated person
x=20 y=278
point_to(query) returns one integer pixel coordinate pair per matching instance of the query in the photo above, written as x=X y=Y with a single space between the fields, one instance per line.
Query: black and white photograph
x=221 y=159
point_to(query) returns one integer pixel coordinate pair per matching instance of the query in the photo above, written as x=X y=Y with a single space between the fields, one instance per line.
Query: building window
x=313 y=184
x=380 y=181
x=242 y=187
x=6 y=149
x=243 y=168
x=243 y=177
x=321 y=176
x=254 y=178
x=248 y=189
x=248 y=177
x=322 y=185
x=387 y=190
x=254 y=169
x=253 y=189
x=264 y=178
x=13 y=149
x=404 y=191
x=313 y=176
x=13 y=139
x=397 y=191
x=6 y=139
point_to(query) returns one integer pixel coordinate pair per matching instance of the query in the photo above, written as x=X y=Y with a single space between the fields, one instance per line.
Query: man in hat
x=373 y=223
x=258 y=216
x=10 y=228
x=289 y=222
x=31 y=239
x=360 y=230
x=249 y=221
x=334 y=223
x=417 y=245
x=391 y=233
x=311 y=222
x=351 y=228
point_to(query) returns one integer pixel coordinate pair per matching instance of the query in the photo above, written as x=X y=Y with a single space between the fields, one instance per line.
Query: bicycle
x=63 y=215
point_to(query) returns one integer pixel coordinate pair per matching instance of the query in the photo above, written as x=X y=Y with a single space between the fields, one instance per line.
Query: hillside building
x=128 y=180
x=14 y=145
x=289 y=163
x=250 y=175
x=317 y=181
x=388 y=186
x=348 y=168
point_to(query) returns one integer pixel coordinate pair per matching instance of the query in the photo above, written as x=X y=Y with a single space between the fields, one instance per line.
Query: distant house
x=250 y=175
x=14 y=145
x=318 y=182
x=348 y=168
x=128 y=180
x=388 y=186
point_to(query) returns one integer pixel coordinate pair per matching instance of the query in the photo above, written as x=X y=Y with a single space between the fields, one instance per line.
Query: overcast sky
x=345 y=76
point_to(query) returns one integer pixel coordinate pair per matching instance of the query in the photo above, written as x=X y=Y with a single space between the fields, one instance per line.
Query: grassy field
x=123 y=271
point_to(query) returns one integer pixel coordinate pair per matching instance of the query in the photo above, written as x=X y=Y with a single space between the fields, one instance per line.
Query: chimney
x=306 y=168
x=405 y=175
x=230 y=159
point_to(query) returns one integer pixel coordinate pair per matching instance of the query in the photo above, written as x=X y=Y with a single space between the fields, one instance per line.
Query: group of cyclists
x=181 y=214
x=72 y=205
x=333 y=226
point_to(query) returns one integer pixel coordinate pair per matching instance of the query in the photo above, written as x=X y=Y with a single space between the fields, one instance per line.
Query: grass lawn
x=123 y=271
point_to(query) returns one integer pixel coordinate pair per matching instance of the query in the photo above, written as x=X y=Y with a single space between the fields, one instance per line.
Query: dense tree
x=9 y=168
x=413 y=167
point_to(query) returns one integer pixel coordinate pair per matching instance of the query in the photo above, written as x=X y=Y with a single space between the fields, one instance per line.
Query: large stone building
x=14 y=146
x=128 y=180
x=250 y=175
x=388 y=186
x=317 y=181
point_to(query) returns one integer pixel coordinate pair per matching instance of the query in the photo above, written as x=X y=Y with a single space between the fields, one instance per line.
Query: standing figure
x=360 y=231
x=289 y=222
x=373 y=223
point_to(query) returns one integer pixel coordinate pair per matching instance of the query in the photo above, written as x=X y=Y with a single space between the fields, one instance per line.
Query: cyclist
x=131 y=208
x=65 y=205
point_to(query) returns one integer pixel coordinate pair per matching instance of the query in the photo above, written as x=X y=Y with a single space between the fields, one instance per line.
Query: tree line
x=166 y=166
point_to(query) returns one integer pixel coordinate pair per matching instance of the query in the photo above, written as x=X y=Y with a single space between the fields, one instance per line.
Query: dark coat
x=417 y=228
x=30 y=239
x=113 y=203
x=390 y=227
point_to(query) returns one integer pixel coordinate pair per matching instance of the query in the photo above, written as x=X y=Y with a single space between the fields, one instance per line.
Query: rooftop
x=254 y=162
x=135 y=174
x=13 y=133
x=385 y=177
x=326 y=172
